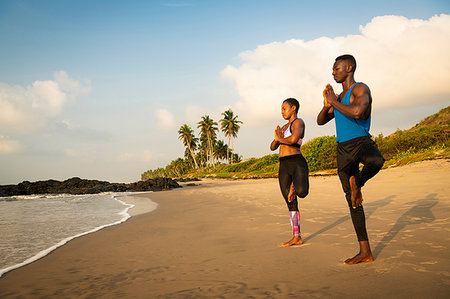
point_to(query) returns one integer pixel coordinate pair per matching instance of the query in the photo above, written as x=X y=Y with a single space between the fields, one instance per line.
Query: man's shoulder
x=360 y=87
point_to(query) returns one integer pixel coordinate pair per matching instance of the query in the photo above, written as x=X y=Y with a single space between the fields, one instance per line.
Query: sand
x=222 y=238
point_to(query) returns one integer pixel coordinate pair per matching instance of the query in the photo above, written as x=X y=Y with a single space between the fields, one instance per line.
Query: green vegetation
x=230 y=127
x=205 y=152
x=320 y=153
x=426 y=140
x=429 y=139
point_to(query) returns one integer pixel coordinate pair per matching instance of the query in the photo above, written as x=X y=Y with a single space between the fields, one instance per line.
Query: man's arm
x=359 y=101
x=325 y=115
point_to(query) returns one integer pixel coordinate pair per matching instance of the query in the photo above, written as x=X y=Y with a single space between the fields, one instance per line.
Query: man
x=351 y=111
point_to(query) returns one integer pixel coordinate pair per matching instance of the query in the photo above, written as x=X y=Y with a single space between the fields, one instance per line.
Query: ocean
x=33 y=226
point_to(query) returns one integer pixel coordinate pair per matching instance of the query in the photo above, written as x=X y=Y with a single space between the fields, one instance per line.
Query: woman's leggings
x=293 y=169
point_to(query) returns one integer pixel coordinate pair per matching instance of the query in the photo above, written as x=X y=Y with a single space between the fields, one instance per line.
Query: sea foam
x=8 y=207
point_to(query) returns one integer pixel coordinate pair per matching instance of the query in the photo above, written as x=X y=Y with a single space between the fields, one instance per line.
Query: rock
x=76 y=185
x=187 y=179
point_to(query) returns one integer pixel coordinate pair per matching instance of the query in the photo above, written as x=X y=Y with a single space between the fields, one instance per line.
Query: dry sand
x=222 y=239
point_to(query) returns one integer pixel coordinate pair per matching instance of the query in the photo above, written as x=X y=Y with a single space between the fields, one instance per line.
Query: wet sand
x=222 y=239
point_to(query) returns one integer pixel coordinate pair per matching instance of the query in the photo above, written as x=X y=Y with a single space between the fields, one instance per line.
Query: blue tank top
x=347 y=127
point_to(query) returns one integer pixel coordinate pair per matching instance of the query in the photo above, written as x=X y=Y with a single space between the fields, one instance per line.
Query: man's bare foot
x=296 y=240
x=356 y=197
x=291 y=195
x=360 y=258
x=364 y=255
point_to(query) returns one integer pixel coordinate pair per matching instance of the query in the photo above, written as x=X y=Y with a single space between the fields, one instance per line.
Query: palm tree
x=177 y=168
x=230 y=127
x=186 y=134
x=208 y=131
x=221 y=150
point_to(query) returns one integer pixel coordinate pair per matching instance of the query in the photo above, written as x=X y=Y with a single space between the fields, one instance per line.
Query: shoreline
x=133 y=206
x=140 y=203
x=223 y=237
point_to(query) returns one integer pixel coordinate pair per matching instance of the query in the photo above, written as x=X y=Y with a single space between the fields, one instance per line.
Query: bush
x=320 y=153
x=412 y=141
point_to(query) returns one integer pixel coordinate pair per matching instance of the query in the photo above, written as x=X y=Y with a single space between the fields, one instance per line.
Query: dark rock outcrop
x=187 y=179
x=81 y=186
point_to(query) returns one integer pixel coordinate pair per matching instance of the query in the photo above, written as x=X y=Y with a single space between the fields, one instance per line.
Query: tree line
x=205 y=150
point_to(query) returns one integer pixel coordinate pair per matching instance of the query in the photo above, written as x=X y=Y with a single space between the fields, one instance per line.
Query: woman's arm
x=274 y=145
x=297 y=132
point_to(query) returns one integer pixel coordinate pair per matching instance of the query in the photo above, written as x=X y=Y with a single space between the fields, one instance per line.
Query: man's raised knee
x=376 y=162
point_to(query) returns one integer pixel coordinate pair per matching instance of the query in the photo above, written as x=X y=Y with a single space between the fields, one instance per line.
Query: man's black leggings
x=349 y=154
x=293 y=169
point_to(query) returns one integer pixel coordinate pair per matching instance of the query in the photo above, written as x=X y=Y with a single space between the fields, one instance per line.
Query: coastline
x=140 y=203
x=222 y=238
x=133 y=206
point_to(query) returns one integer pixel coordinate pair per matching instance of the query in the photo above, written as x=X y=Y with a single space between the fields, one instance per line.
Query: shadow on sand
x=418 y=214
x=369 y=208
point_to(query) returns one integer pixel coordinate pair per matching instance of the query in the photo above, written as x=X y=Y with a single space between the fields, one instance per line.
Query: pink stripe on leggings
x=295 y=222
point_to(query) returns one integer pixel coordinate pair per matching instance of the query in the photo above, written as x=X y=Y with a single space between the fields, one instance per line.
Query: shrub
x=320 y=153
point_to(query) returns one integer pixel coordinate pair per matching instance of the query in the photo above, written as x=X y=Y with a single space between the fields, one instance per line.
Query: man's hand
x=325 y=101
x=329 y=97
x=327 y=112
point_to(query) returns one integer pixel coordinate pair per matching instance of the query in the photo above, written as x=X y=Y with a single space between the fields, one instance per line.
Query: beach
x=222 y=239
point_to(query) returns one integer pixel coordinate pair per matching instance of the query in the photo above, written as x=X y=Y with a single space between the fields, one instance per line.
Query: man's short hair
x=348 y=58
x=293 y=102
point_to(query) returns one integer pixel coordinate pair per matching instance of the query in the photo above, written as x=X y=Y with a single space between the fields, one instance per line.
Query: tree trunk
x=193 y=157
x=228 y=150
x=232 y=150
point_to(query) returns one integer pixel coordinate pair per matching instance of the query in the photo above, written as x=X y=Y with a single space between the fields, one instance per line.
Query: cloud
x=71 y=87
x=165 y=119
x=8 y=146
x=47 y=96
x=26 y=109
x=404 y=61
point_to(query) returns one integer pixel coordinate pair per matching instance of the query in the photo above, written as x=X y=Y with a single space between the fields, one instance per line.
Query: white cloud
x=70 y=86
x=8 y=146
x=165 y=119
x=404 y=61
x=47 y=96
x=16 y=111
x=25 y=109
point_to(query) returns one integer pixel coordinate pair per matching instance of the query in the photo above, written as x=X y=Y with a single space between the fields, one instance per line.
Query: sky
x=99 y=89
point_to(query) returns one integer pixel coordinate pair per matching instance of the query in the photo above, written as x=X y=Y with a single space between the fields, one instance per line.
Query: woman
x=293 y=172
